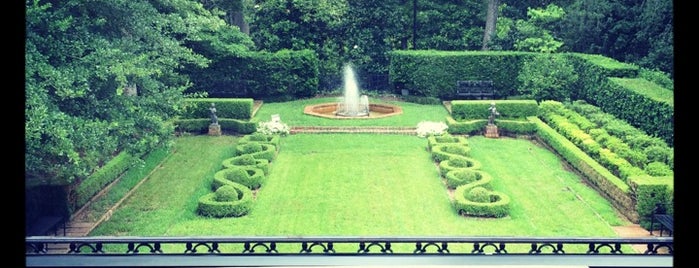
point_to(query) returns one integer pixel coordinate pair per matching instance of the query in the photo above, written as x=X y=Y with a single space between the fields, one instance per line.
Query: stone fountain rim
x=309 y=109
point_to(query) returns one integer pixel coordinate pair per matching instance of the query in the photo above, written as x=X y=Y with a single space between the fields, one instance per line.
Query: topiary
x=461 y=162
x=226 y=193
x=658 y=169
x=245 y=160
x=251 y=147
x=479 y=194
x=258 y=136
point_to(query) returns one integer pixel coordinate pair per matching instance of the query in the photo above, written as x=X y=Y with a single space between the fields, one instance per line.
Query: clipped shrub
x=226 y=193
x=459 y=177
x=497 y=204
x=445 y=139
x=458 y=162
x=659 y=154
x=257 y=150
x=658 y=169
x=249 y=148
x=245 y=161
x=478 y=194
x=249 y=176
x=235 y=204
x=261 y=138
x=443 y=152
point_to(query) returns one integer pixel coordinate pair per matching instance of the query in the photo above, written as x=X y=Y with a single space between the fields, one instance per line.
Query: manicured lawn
x=362 y=184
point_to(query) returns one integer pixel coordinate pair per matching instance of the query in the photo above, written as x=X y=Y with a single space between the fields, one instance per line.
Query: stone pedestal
x=491 y=131
x=215 y=129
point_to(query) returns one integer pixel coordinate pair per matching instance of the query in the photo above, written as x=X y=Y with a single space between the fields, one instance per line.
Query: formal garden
x=232 y=128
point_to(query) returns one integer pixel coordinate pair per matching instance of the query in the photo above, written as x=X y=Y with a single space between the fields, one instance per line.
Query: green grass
x=291 y=113
x=169 y=196
x=362 y=184
x=127 y=182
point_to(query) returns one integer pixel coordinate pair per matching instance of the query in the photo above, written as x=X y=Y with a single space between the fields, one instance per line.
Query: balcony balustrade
x=58 y=251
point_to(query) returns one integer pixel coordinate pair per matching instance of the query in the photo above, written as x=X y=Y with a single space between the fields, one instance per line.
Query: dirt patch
x=633 y=230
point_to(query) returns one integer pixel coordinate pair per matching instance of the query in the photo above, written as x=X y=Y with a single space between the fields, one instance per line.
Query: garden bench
x=666 y=221
x=46 y=225
x=477 y=89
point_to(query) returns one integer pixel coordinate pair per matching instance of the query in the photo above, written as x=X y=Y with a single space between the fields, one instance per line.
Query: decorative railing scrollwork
x=43 y=250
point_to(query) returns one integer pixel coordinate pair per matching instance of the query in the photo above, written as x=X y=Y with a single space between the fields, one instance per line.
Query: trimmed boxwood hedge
x=247 y=160
x=240 y=205
x=458 y=162
x=251 y=177
x=498 y=205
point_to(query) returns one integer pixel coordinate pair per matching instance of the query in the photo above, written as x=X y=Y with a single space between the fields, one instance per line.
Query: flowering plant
x=273 y=127
x=426 y=128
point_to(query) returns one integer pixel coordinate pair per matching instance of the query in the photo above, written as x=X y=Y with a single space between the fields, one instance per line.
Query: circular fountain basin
x=376 y=110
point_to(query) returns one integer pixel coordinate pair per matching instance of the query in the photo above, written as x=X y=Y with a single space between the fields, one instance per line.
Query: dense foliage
x=102 y=76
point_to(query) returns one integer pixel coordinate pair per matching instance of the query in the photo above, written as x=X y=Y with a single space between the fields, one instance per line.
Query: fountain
x=352 y=105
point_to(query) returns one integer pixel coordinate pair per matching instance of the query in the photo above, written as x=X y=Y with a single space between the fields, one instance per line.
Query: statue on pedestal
x=493 y=113
x=214 y=118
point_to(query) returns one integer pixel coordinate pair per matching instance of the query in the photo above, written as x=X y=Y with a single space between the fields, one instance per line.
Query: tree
x=536 y=34
x=102 y=77
x=233 y=12
x=450 y=25
x=490 y=22
x=303 y=24
x=638 y=32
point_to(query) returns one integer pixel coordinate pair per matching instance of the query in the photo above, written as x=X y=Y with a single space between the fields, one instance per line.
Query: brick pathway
x=376 y=130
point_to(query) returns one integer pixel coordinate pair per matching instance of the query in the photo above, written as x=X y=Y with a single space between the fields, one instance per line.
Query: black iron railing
x=312 y=251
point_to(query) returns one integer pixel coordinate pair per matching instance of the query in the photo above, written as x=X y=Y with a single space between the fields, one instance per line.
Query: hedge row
x=598 y=176
x=470 y=117
x=636 y=163
x=610 y=150
x=474 y=195
x=89 y=187
x=618 y=88
x=231 y=108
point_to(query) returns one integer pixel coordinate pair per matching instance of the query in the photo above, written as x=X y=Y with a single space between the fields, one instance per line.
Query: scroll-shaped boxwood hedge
x=473 y=192
x=458 y=162
x=257 y=150
x=229 y=200
x=251 y=177
x=442 y=152
x=233 y=185
x=261 y=138
x=245 y=161
x=468 y=200
x=445 y=139
x=459 y=177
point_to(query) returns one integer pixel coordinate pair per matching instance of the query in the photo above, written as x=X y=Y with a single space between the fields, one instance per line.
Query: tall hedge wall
x=435 y=73
x=282 y=75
